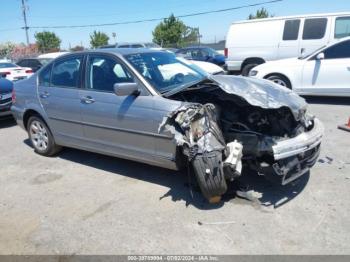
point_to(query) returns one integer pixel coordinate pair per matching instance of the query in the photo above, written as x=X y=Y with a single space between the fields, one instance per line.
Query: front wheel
x=41 y=138
x=208 y=169
x=280 y=80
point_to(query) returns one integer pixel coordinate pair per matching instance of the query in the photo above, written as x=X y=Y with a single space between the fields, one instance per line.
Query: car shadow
x=6 y=122
x=327 y=100
x=181 y=186
x=269 y=194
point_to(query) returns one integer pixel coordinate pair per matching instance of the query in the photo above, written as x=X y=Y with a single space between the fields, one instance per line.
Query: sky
x=80 y=12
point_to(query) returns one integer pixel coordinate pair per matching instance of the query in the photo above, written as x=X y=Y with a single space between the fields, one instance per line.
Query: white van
x=253 y=42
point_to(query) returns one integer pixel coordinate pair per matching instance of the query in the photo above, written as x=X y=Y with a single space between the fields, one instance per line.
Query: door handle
x=44 y=94
x=87 y=100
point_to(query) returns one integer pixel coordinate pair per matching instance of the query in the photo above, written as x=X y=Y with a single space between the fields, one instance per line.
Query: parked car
x=254 y=42
x=151 y=107
x=133 y=45
x=14 y=72
x=209 y=68
x=5 y=97
x=325 y=72
x=34 y=63
x=204 y=54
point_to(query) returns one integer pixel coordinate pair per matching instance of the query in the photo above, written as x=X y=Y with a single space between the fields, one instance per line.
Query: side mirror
x=126 y=89
x=320 y=56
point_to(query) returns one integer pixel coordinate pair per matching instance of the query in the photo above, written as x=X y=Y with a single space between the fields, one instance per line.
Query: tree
x=47 y=41
x=98 y=39
x=172 y=32
x=261 y=13
x=22 y=51
x=6 y=49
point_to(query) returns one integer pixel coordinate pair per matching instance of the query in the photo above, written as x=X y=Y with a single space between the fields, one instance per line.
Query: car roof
x=292 y=17
x=29 y=58
x=119 y=51
x=195 y=47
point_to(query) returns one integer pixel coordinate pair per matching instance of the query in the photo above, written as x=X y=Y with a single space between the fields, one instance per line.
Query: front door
x=316 y=33
x=331 y=75
x=119 y=125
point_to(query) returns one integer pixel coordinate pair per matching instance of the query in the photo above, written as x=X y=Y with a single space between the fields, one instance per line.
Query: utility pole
x=25 y=20
x=114 y=36
x=199 y=36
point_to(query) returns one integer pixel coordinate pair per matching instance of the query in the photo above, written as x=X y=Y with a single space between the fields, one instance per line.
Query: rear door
x=316 y=33
x=290 y=44
x=342 y=27
x=330 y=76
x=59 y=95
x=120 y=125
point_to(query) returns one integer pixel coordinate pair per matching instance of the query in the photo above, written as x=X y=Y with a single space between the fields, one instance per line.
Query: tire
x=280 y=80
x=212 y=184
x=41 y=138
x=246 y=69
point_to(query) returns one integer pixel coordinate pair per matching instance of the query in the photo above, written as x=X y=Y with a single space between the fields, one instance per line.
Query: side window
x=188 y=53
x=205 y=53
x=65 y=73
x=196 y=53
x=314 y=28
x=136 y=46
x=291 y=30
x=44 y=76
x=342 y=27
x=338 y=51
x=104 y=72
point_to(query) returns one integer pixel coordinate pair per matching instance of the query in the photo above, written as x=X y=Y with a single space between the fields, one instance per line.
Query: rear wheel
x=41 y=138
x=280 y=80
x=210 y=176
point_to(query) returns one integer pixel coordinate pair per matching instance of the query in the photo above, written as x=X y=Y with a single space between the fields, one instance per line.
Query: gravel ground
x=85 y=203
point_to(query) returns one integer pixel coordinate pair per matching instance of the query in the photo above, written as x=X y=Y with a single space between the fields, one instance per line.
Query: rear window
x=314 y=28
x=342 y=27
x=23 y=63
x=291 y=30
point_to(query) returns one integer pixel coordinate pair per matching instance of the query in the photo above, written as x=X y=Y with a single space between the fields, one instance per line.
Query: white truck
x=253 y=42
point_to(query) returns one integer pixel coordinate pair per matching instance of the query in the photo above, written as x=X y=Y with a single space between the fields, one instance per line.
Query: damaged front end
x=196 y=131
x=228 y=120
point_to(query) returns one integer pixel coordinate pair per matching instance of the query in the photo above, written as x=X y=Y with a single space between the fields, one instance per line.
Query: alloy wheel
x=278 y=81
x=38 y=135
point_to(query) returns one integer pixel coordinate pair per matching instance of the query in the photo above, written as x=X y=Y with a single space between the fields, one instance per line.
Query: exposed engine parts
x=217 y=128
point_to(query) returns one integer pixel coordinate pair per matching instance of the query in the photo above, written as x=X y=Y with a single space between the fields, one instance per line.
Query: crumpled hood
x=262 y=93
